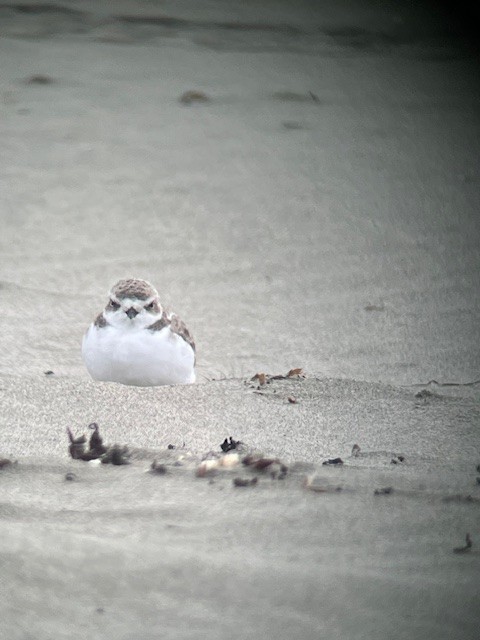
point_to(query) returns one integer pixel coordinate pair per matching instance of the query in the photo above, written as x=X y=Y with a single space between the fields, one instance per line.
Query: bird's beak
x=131 y=313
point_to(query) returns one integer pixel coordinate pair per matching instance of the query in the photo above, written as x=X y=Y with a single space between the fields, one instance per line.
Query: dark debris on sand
x=96 y=450
x=39 y=79
x=245 y=482
x=384 y=491
x=158 y=468
x=265 y=378
x=193 y=96
x=332 y=462
x=261 y=381
x=116 y=455
x=275 y=467
x=6 y=462
x=229 y=444
x=467 y=547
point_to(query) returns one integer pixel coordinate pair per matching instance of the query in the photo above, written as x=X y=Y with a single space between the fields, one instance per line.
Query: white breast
x=138 y=356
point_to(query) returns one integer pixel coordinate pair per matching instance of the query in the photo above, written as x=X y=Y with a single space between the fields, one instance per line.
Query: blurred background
x=299 y=180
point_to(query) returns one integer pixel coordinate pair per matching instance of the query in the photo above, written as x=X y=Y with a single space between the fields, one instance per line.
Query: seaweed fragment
x=332 y=462
x=229 y=444
x=96 y=450
x=96 y=442
x=77 y=445
x=116 y=455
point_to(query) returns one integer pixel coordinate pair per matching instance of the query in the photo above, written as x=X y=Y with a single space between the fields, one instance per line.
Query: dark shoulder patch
x=178 y=326
x=160 y=324
x=100 y=321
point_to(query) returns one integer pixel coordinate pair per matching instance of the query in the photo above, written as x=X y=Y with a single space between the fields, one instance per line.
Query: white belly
x=138 y=357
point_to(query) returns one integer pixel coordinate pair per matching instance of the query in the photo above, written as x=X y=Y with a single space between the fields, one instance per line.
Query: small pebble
x=49 y=373
x=189 y=97
x=70 y=476
x=244 y=482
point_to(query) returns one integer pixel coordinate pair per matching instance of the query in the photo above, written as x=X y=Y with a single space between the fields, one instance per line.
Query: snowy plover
x=135 y=341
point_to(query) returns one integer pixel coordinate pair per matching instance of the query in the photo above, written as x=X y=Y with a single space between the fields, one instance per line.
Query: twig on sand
x=467 y=547
x=265 y=378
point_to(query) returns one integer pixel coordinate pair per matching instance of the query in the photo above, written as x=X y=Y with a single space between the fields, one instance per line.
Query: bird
x=136 y=341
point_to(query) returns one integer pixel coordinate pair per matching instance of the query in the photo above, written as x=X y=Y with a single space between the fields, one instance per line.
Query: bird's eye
x=113 y=305
x=150 y=307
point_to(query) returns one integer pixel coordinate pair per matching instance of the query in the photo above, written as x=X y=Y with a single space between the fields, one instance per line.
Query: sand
x=317 y=209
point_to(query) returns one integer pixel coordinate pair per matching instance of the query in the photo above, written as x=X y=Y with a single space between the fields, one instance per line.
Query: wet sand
x=317 y=209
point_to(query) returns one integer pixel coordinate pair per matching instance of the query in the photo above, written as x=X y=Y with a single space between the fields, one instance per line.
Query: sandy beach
x=301 y=185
